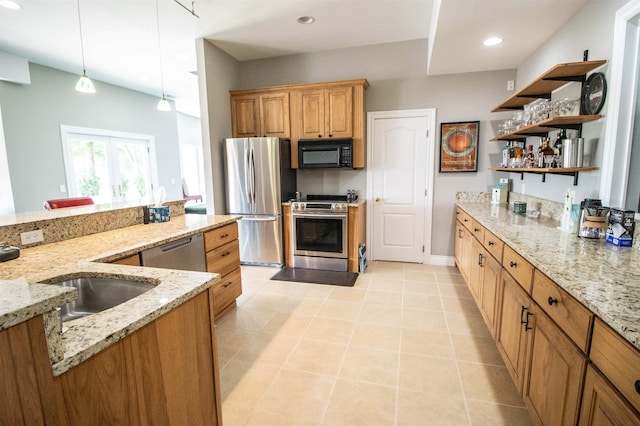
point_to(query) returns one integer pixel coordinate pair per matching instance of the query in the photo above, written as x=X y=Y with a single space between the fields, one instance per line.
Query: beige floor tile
x=429 y=374
x=383 y=265
x=248 y=319
x=444 y=278
x=244 y=383
x=285 y=288
x=454 y=290
x=301 y=305
x=317 y=356
x=357 y=403
x=455 y=304
x=235 y=414
x=420 y=276
x=298 y=395
x=315 y=291
x=231 y=339
x=424 y=302
x=370 y=365
x=336 y=309
x=488 y=383
x=384 y=298
x=484 y=413
x=424 y=320
x=265 y=301
x=427 y=343
x=419 y=408
x=380 y=314
x=386 y=284
x=467 y=324
x=347 y=294
x=330 y=330
x=287 y=324
x=376 y=336
x=419 y=267
x=268 y=418
x=482 y=350
x=418 y=287
x=267 y=349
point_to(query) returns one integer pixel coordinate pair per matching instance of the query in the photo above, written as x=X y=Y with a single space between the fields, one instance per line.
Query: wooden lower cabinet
x=164 y=373
x=513 y=332
x=602 y=404
x=463 y=248
x=223 y=257
x=356 y=235
x=555 y=371
x=491 y=288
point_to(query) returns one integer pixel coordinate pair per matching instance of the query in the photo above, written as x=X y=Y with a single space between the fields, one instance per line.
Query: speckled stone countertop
x=23 y=298
x=603 y=277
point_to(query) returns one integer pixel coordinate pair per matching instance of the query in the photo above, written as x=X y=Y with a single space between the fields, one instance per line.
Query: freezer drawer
x=261 y=240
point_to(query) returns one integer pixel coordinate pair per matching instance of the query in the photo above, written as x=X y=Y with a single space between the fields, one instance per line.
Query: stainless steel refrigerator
x=259 y=178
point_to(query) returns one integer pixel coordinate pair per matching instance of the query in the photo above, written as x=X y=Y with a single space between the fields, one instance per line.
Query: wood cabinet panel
x=226 y=291
x=494 y=245
x=133 y=260
x=570 y=315
x=224 y=259
x=477 y=230
x=310 y=114
x=513 y=328
x=356 y=235
x=475 y=270
x=618 y=360
x=245 y=116
x=602 y=405
x=287 y=223
x=260 y=114
x=491 y=288
x=518 y=267
x=217 y=237
x=339 y=112
x=555 y=374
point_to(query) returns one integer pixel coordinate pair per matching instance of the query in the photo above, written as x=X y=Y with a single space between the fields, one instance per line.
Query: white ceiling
x=121 y=39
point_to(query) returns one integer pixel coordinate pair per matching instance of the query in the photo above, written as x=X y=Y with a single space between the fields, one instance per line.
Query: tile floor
x=405 y=346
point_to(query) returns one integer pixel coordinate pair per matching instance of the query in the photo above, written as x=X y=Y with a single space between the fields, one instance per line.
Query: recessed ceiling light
x=306 y=20
x=10 y=4
x=492 y=41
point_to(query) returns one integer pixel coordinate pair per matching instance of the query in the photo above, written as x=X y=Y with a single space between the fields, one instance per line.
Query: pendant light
x=163 y=105
x=84 y=84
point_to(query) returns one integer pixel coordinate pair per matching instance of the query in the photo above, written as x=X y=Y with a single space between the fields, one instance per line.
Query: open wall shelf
x=542 y=128
x=573 y=171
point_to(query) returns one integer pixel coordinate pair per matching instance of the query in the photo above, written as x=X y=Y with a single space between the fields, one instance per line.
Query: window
x=108 y=166
x=192 y=170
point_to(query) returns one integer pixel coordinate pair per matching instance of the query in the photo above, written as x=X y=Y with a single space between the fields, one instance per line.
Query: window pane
x=91 y=170
x=133 y=170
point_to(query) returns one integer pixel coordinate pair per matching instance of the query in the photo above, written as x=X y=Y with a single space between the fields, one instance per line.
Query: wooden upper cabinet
x=309 y=114
x=324 y=113
x=260 y=115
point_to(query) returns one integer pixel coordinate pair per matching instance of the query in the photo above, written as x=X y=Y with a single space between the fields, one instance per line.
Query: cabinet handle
x=637 y=384
x=459 y=233
x=526 y=324
x=522 y=313
x=476 y=229
x=226 y=253
x=513 y=264
x=319 y=136
x=466 y=220
x=551 y=301
x=480 y=259
x=227 y=284
x=490 y=243
x=224 y=235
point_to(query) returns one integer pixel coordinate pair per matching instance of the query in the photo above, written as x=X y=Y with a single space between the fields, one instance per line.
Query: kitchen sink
x=95 y=294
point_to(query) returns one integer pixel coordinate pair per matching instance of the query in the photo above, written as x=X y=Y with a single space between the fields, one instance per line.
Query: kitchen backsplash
x=77 y=225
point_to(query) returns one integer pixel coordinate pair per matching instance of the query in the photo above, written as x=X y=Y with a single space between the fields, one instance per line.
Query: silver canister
x=572 y=152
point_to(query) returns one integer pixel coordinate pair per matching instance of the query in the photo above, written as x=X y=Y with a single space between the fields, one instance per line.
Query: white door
x=401 y=181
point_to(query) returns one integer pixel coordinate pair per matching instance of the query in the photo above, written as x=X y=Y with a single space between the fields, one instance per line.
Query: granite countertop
x=23 y=297
x=603 y=277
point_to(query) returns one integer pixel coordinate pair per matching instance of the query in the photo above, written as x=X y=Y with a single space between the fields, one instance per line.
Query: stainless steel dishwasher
x=185 y=254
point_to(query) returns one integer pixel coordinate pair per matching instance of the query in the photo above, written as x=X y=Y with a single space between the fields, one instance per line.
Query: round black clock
x=594 y=92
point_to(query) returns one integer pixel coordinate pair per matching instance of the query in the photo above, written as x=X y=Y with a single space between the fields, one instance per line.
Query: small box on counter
x=159 y=214
x=621 y=227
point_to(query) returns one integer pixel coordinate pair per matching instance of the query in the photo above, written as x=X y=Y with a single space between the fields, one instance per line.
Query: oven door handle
x=319 y=215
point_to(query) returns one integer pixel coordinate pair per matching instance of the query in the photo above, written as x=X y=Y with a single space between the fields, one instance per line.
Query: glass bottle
x=505 y=155
x=530 y=160
x=547 y=153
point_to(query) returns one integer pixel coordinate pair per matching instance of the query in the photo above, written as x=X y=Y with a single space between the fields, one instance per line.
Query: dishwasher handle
x=176 y=244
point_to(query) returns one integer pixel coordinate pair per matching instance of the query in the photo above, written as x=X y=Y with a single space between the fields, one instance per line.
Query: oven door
x=320 y=234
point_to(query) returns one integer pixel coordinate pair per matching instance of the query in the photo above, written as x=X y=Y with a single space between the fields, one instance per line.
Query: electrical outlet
x=31 y=237
x=511 y=85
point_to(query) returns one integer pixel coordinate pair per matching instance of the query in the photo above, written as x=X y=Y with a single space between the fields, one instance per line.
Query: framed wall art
x=459 y=146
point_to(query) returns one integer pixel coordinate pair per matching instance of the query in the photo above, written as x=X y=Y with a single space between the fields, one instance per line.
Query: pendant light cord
x=84 y=70
x=159 y=48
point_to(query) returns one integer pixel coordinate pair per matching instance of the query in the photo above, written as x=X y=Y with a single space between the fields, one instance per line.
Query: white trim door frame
x=429 y=114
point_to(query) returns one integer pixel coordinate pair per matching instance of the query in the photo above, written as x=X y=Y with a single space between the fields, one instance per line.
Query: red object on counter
x=67 y=202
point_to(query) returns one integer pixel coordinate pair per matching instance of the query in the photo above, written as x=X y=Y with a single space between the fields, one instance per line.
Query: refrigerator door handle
x=259 y=219
x=247 y=172
x=253 y=177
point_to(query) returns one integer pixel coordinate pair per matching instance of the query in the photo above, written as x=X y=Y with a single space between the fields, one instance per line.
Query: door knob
x=377 y=199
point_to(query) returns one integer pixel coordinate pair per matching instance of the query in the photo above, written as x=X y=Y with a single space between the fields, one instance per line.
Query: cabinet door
x=476 y=259
x=463 y=247
x=274 y=115
x=514 y=327
x=556 y=370
x=603 y=405
x=491 y=286
x=339 y=112
x=310 y=114
x=245 y=116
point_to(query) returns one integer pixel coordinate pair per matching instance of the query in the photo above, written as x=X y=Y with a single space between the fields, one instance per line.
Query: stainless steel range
x=320 y=232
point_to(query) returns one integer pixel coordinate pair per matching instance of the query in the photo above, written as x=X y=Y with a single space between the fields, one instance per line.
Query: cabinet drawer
x=519 y=268
x=224 y=259
x=494 y=245
x=477 y=230
x=225 y=291
x=465 y=219
x=219 y=236
x=618 y=360
x=570 y=315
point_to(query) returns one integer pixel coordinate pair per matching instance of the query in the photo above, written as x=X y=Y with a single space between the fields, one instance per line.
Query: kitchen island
x=140 y=337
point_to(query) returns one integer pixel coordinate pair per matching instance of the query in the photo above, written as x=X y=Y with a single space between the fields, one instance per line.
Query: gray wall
x=590 y=29
x=32 y=115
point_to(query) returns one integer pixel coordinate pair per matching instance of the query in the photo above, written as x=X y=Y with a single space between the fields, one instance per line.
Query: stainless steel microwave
x=325 y=153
